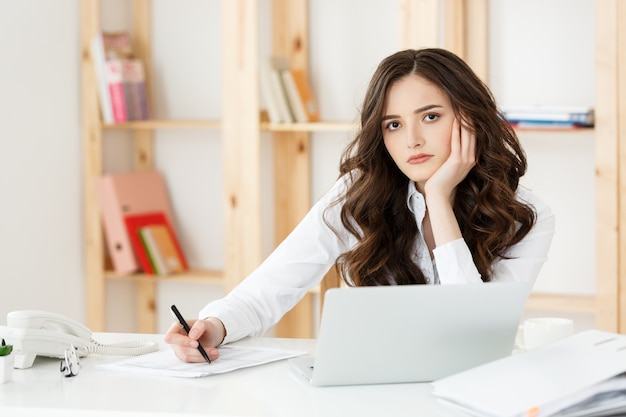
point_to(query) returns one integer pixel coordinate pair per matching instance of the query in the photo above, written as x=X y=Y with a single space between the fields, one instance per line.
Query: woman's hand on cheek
x=461 y=160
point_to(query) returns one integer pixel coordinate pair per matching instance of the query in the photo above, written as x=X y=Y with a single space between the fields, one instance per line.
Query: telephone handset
x=34 y=332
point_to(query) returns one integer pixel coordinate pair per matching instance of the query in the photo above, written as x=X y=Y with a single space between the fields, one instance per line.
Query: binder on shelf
x=124 y=194
x=149 y=257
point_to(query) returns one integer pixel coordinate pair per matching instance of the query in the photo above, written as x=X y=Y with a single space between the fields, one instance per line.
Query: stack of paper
x=581 y=375
x=165 y=363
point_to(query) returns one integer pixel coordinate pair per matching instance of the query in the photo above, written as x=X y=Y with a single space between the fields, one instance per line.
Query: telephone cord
x=131 y=348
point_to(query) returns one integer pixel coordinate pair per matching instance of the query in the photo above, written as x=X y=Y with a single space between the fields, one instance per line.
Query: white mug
x=542 y=330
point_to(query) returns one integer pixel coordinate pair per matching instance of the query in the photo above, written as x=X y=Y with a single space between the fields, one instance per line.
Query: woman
x=428 y=194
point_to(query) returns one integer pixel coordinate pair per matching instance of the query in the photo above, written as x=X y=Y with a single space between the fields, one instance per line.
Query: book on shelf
x=152 y=261
x=120 y=77
x=116 y=44
x=113 y=70
x=546 y=125
x=550 y=116
x=105 y=46
x=305 y=94
x=134 y=89
x=164 y=253
x=287 y=92
x=99 y=60
x=296 y=103
x=277 y=86
x=123 y=194
x=269 y=93
x=134 y=85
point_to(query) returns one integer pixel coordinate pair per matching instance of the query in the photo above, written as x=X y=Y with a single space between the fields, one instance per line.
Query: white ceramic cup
x=542 y=330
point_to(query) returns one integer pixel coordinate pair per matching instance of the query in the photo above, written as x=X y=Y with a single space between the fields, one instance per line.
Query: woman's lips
x=419 y=159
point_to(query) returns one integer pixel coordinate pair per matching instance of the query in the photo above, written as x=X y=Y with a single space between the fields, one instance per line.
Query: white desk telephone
x=33 y=333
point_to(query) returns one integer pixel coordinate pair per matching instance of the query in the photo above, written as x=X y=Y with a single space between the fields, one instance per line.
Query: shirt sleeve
x=522 y=262
x=455 y=264
x=295 y=266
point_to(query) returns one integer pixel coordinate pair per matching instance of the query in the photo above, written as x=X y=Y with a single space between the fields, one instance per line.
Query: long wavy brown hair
x=374 y=208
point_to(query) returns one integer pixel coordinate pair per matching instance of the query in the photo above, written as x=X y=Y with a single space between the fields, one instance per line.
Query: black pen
x=185 y=326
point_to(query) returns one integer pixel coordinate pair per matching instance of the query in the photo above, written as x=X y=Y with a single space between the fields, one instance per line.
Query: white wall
x=41 y=265
x=542 y=53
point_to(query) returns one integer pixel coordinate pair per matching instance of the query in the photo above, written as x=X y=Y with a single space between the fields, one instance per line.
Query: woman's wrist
x=443 y=222
x=438 y=198
x=219 y=326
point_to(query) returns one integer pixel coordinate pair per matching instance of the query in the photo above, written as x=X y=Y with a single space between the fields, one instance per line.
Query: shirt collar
x=415 y=201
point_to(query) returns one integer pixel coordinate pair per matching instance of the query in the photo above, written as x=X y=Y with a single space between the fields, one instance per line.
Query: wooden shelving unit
x=465 y=28
x=240 y=129
x=96 y=274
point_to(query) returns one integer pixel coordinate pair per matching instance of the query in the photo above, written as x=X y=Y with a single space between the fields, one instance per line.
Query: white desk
x=267 y=390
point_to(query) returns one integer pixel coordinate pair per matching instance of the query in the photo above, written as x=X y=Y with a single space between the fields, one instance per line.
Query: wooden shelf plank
x=194 y=276
x=309 y=127
x=548 y=130
x=165 y=124
x=216 y=124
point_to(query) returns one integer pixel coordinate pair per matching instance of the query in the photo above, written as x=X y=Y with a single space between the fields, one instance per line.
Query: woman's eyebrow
x=416 y=111
x=427 y=107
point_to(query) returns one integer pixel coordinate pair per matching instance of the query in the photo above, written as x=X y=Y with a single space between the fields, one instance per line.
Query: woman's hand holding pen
x=209 y=332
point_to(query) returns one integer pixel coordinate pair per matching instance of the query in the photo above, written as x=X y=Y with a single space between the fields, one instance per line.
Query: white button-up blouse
x=303 y=258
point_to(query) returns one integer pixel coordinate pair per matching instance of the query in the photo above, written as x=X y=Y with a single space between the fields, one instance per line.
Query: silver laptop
x=412 y=333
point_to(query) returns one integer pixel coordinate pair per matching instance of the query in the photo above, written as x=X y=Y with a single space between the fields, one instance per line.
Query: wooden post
x=477 y=37
x=455 y=27
x=144 y=156
x=419 y=23
x=607 y=167
x=241 y=139
x=92 y=165
x=292 y=168
x=620 y=22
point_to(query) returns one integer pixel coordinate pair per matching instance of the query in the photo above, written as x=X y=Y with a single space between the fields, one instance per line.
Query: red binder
x=134 y=223
x=124 y=194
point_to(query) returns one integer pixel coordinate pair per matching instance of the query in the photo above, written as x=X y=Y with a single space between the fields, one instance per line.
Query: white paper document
x=165 y=362
x=581 y=375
